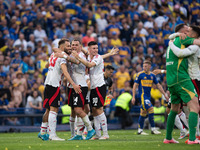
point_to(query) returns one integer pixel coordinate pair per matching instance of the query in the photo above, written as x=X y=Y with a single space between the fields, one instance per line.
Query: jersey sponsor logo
x=170 y=63
x=95 y=101
x=147 y=102
x=147 y=83
x=75 y=100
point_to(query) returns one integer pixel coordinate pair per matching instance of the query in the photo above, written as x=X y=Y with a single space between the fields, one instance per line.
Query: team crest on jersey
x=151 y=78
x=136 y=78
x=75 y=100
x=95 y=100
x=145 y=77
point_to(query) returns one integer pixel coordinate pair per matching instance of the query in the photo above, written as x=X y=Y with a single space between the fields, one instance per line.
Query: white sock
x=87 y=123
x=52 y=123
x=80 y=126
x=43 y=128
x=103 y=121
x=72 y=125
x=197 y=130
x=140 y=130
x=48 y=129
x=182 y=116
x=153 y=128
x=178 y=124
x=97 y=126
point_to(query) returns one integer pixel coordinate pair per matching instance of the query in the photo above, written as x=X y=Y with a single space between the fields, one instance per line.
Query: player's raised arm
x=66 y=74
x=174 y=35
x=85 y=62
x=159 y=71
x=114 y=51
x=192 y=49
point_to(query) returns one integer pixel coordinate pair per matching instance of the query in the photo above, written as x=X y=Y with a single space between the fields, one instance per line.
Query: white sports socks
x=52 y=123
x=80 y=126
x=182 y=116
x=87 y=122
x=72 y=125
x=43 y=128
x=97 y=126
x=103 y=121
x=178 y=124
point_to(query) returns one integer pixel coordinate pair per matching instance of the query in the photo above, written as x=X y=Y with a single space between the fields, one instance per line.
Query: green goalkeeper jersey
x=177 y=68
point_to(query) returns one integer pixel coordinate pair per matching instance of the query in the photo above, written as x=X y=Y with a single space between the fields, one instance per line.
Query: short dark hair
x=92 y=43
x=109 y=67
x=147 y=57
x=147 y=62
x=62 y=41
x=77 y=39
x=179 y=26
x=196 y=29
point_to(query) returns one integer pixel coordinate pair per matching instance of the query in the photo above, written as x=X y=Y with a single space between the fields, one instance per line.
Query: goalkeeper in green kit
x=180 y=84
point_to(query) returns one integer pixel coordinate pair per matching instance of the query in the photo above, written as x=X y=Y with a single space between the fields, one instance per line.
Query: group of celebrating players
x=73 y=62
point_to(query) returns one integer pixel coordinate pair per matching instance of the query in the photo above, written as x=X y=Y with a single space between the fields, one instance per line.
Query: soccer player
x=77 y=72
x=180 y=85
x=98 y=87
x=180 y=116
x=56 y=71
x=78 y=103
x=192 y=53
x=144 y=80
x=76 y=46
x=107 y=77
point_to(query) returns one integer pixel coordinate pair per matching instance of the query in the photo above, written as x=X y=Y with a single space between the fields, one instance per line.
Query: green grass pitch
x=119 y=140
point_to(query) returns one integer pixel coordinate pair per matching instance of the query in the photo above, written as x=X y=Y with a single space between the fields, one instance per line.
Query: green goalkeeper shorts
x=184 y=91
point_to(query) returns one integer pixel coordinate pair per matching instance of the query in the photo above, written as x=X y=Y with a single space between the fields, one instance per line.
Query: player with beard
x=56 y=71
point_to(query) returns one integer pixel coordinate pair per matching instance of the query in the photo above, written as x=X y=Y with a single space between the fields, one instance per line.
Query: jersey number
x=53 y=61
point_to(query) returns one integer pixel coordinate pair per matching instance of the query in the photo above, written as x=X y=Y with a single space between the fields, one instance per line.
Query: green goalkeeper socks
x=170 y=124
x=193 y=117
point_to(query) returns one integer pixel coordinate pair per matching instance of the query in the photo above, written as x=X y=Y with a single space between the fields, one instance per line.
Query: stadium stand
x=30 y=28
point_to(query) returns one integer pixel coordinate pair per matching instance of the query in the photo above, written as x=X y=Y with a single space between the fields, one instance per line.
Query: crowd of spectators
x=30 y=28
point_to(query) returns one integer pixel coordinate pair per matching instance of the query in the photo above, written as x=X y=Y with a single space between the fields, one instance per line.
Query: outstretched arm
x=114 y=51
x=159 y=71
x=183 y=52
x=174 y=35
